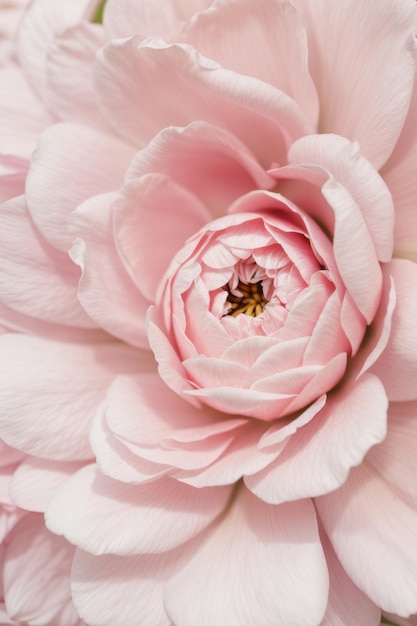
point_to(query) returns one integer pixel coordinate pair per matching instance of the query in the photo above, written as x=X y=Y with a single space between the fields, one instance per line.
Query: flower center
x=246 y=298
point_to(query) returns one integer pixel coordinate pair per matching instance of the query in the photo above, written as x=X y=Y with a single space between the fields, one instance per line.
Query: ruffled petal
x=36 y=480
x=105 y=290
x=318 y=457
x=123 y=18
x=279 y=56
x=153 y=218
x=396 y=460
x=198 y=155
x=344 y=161
x=272 y=545
x=36 y=279
x=72 y=163
x=399 y=174
x=69 y=68
x=347 y=604
x=174 y=85
x=43 y=20
x=101 y=584
x=22 y=115
x=364 y=102
x=37 y=575
x=397 y=366
x=65 y=385
x=101 y=515
x=371 y=526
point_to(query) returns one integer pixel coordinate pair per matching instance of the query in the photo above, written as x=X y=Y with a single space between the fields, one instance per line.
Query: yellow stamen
x=252 y=301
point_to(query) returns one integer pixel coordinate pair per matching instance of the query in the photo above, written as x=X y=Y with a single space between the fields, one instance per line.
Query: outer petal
x=101 y=584
x=347 y=604
x=65 y=385
x=123 y=18
x=105 y=290
x=13 y=171
x=153 y=218
x=116 y=460
x=273 y=567
x=161 y=427
x=396 y=459
x=398 y=173
x=364 y=102
x=72 y=163
x=36 y=576
x=101 y=515
x=70 y=74
x=354 y=250
x=344 y=161
x=42 y=22
x=174 y=85
x=372 y=529
x=22 y=115
x=397 y=366
x=279 y=53
x=35 y=278
x=35 y=481
x=318 y=457
x=199 y=155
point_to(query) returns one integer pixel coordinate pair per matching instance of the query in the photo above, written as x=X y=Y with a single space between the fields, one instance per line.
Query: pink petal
x=170 y=367
x=251 y=350
x=397 y=366
x=72 y=163
x=162 y=428
x=105 y=290
x=378 y=333
x=354 y=250
x=325 y=379
x=65 y=384
x=22 y=115
x=214 y=372
x=347 y=604
x=36 y=480
x=241 y=457
x=8 y=455
x=144 y=411
x=116 y=460
x=153 y=218
x=69 y=68
x=398 y=173
x=101 y=584
x=37 y=575
x=318 y=457
x=372 y=529
x=13 y=171
x=19 y=322
x=396 y=460
x=275 y=438
x=123 y=18
x=35 y=278
x=364 y=103
x=41 y=23
x=263 y=405
x=284 y=540
x=174 y=85
x=101 y=515
x=222 y=167
x=327 y=339
x=345 y=162
x=223 y=34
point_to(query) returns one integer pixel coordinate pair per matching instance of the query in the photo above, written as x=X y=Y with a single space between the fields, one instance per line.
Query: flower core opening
x=246 y=298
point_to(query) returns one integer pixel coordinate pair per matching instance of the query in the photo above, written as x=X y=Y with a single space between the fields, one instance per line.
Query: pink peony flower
x=208 y=300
